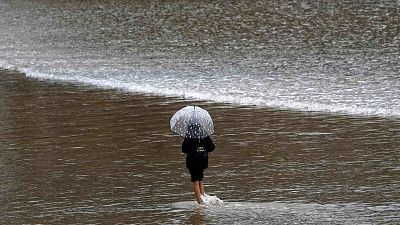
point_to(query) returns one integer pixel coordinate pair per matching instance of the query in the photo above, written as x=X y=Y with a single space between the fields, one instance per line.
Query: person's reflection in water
x=198 y=217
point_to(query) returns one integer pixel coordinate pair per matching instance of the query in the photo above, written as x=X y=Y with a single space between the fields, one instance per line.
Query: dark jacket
x=197 y=152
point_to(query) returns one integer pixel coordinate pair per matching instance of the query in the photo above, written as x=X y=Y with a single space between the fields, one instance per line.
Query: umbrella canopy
x=192 y=122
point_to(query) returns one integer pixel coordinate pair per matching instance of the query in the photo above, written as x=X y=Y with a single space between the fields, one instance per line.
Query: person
x=196 y=151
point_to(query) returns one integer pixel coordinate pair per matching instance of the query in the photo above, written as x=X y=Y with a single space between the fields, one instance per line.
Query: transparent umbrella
x=192 y=122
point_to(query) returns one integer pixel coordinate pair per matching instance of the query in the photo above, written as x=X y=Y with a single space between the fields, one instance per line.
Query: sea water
x=336 y=57
x=286 y=213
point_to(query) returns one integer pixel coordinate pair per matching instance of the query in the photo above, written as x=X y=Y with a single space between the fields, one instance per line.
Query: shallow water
x=286 y=213
x=75 y=154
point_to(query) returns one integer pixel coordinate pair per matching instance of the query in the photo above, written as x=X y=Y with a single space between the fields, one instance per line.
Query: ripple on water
x=286 y=212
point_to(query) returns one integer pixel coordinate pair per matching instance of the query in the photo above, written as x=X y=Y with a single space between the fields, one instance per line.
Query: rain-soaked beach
x=304 y=95
x=78 y=154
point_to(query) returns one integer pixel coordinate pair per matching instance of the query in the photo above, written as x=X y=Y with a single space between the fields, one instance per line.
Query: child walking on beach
x=195 y=125
x=196 y=151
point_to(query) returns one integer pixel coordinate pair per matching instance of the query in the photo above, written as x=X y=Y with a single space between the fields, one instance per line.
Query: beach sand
x=72 y=153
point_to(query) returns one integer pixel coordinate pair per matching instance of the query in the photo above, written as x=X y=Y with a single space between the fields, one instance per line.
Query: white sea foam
x=360 y=83
x=157 y=88
x=210 y=200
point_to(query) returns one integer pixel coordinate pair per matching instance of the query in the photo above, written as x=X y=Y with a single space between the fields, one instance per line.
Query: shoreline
x=199 y=101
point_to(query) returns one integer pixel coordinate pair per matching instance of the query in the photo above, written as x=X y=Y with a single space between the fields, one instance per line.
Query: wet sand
x=79 y=154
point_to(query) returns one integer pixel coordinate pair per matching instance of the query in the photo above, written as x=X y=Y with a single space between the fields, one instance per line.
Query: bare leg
x=201 y=188
x=197 y=191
